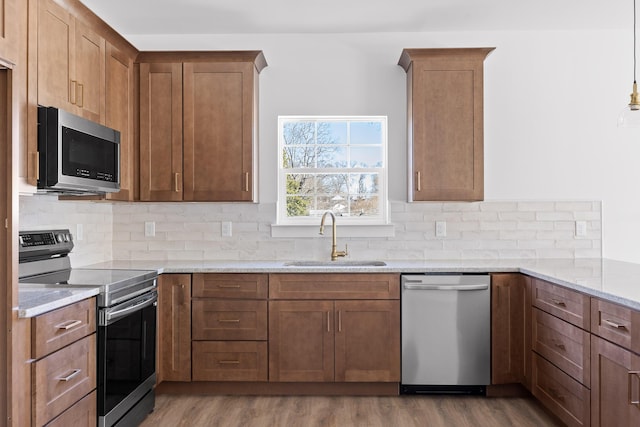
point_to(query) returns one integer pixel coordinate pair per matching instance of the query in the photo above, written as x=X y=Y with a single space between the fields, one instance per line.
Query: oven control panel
x=44 y=242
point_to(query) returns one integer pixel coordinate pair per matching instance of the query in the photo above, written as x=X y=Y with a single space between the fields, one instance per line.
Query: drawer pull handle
x=229 y=320
x=229 y=362
x=635 y=402
x=70 y=376
x=558 y=302
x=69 y=324
x=559 y=345
x=229 y=286
x=613 y=324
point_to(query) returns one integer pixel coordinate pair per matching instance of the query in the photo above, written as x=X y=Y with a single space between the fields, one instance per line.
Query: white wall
x=551 y=103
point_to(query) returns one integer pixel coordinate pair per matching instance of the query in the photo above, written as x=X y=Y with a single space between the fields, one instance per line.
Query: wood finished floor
x=305 y=411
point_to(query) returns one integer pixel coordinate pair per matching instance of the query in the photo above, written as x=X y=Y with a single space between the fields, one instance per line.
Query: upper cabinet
x=198 y=125
x=445 y=123
x=8 y=31
x=79 y=64
x=71 y=60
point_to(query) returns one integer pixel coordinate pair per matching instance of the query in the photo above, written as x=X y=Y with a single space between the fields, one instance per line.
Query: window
x=333 y=163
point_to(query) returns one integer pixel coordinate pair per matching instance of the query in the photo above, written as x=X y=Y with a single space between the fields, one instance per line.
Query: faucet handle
x=342 y=253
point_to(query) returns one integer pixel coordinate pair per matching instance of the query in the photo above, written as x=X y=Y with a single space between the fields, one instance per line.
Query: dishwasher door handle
x=422 y=287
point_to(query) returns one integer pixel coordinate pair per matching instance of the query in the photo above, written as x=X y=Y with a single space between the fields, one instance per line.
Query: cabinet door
x=301 y=341
x=89 y=78
x=119 y=115
x=160 y=132
x=367 y=340
x=56 y=32
x=445 y=106
x=8 y=30
x=614 y=385
x=218 y=131
x=508 y=328
x=174 y=327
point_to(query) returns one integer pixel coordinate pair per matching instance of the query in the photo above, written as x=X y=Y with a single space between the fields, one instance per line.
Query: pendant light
x=630 y=116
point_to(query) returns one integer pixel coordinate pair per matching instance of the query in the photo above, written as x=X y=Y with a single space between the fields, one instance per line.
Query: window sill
x=349 y=230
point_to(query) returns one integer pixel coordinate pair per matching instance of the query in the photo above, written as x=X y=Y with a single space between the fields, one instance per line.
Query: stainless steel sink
x=335 y=264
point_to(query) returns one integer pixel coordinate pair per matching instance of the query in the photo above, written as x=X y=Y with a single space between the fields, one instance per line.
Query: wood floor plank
x=312 y=411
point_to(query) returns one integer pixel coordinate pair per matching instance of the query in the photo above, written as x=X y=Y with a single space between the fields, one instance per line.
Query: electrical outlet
x=149 y=228
x=581 y=228
x=441 y=229
x=79 y=232
x=227 y=229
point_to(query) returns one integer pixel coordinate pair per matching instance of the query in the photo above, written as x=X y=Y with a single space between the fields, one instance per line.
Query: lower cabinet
x=174 y=327
x=615 y=385
x=342 y=341
x=64 y=372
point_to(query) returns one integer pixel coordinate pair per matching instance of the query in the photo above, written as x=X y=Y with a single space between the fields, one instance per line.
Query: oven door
x=126 y=356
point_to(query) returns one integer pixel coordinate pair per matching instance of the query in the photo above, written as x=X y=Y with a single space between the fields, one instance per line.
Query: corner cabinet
x=445 y=123
x=198 y=125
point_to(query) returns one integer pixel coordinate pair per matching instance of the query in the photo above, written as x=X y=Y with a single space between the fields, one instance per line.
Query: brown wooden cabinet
x=119 y=115
x=70 y=63
x=9 y=31
x=326 y=335
x=445 y=123
x=510 y=329
x=174 y=327
x=615 y=386
x=198 y=125
x=615 y=364
x=63 y=370
x=229 y=327
x=561 y=344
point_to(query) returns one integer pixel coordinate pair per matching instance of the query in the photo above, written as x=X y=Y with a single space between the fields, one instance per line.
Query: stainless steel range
x=127 y=312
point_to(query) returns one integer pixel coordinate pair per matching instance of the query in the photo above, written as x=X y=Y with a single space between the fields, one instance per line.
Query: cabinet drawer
x=56 y=329
x=231 y=285
x=83 y=413
x=230 y=361
x=565 y=397
x=615 y=323
x=228 y=320
x=566 y=346
x=63 y=378
x=334 y=286
x=566 y=304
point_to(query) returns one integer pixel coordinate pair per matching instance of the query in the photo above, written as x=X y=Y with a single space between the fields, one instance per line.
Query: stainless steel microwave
x=76 y=155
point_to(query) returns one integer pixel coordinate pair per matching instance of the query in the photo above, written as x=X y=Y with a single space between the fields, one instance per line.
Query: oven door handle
x=110 y=316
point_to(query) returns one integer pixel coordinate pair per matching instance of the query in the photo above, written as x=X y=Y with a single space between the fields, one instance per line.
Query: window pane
x=366 y=133
x=300 y=183
x=365 y=206
x=298 y=132
x=298 y=205
x=299 y=157
x=332 y=156
x=363 y=184
x=366 y=157
x=332 y=184
x=332 y=133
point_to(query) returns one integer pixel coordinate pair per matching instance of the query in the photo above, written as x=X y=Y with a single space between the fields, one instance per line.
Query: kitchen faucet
x=334 y=252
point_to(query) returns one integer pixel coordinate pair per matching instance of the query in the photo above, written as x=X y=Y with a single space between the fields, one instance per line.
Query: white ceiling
x=130 y=17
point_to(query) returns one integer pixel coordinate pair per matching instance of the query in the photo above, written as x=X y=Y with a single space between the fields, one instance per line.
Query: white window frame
x=382 y=219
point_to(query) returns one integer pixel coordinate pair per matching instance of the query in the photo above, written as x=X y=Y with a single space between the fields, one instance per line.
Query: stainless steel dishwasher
x=446 y=333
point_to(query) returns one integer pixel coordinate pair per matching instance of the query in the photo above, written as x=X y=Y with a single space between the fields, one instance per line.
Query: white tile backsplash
x=192 y=231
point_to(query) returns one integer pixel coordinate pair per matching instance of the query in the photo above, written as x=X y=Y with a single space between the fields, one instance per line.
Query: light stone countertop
x=612 y=280
x=35 y=299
